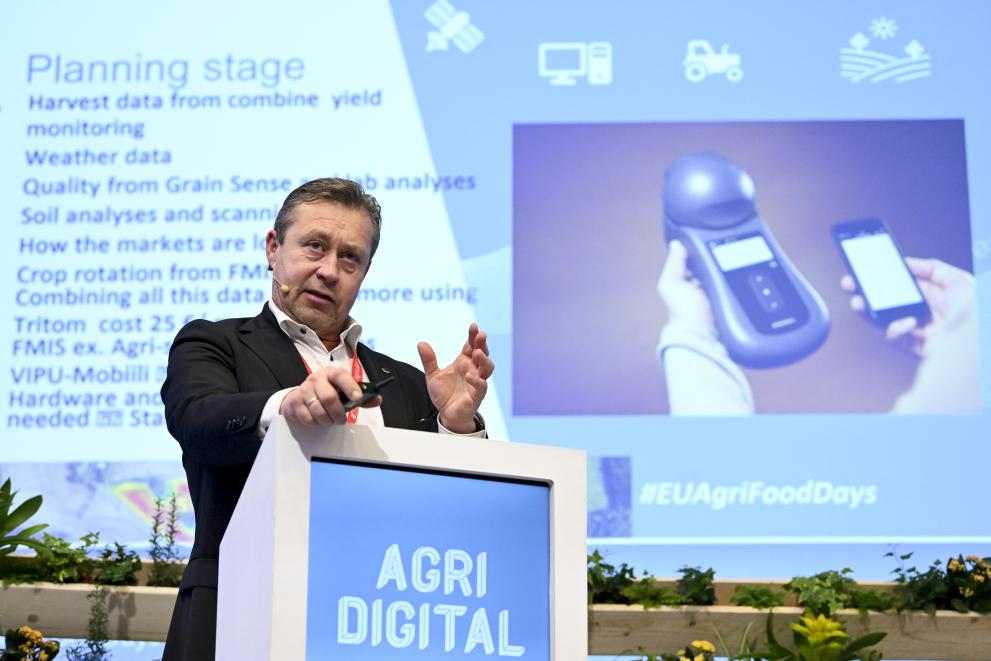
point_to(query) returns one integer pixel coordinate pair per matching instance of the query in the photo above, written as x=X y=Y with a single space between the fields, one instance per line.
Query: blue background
x=357 y=512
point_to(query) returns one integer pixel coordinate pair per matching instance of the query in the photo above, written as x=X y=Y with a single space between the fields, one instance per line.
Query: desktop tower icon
x=599 y=63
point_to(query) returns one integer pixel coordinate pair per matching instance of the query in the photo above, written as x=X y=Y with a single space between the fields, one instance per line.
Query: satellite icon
x=452 y=25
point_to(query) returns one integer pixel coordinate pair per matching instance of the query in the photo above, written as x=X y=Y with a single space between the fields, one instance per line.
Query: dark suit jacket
x=220 y=376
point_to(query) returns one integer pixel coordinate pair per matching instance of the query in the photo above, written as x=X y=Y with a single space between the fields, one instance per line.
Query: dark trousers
x=193 y=629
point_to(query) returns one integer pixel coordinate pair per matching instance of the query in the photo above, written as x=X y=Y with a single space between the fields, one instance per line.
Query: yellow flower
x=954 y=564
x=979 y=578
x=704 y=645
x=42 y=656
x=820 y=631
x=699 y=657
x=973 y=558
x=683 y=658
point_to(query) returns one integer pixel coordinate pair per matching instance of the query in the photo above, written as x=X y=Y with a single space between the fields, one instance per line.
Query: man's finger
x=373 y=402
x=427 y=357
x=296 y=410
x=326 y=408
x=469 y=344
x=482 y=342
x=476 y=381
x=483 y=364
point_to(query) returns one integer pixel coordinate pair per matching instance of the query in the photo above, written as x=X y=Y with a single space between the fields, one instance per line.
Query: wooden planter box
x=62 y=611
x=617 y=630
x=143 y=613
x=947 y=635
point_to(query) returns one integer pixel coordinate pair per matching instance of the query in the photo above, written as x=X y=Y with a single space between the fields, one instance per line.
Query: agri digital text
x=402 y=623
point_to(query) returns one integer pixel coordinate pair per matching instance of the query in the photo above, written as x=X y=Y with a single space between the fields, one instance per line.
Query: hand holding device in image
x=701 y=377
x=947 y=290
x=681 y=291
x=887 y=290
x=940 y=325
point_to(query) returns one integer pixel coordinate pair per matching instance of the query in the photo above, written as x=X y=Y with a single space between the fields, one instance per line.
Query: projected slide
x=533 y=163
x=808 y=176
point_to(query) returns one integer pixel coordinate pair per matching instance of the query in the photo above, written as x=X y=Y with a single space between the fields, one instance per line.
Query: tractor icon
x=702 y=61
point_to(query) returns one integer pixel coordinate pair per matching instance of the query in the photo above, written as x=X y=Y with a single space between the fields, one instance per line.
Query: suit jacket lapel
x=378 y=367
x=263 y=336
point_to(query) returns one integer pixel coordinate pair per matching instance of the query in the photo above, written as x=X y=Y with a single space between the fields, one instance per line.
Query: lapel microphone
x=285 y=289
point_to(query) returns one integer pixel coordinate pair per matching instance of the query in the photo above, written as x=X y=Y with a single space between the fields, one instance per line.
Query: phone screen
x=884 y=279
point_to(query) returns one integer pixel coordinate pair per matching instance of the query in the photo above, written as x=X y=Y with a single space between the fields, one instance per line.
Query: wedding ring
x=311 y=400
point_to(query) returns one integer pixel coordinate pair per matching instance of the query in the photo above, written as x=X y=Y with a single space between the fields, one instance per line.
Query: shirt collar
x=349 y=337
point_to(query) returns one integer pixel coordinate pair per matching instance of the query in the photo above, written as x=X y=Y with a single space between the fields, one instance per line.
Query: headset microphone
x=285 y=289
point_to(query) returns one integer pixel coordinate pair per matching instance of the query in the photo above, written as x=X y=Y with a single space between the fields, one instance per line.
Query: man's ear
x=271 y=247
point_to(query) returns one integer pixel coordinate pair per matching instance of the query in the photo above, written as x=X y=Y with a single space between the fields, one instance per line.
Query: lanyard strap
x=356 y=373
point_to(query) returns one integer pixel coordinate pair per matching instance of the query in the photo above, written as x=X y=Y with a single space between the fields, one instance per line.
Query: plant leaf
x=21 y=513
x=774 y=647
x=32 y=531
x=866 y=641
x=14 y=542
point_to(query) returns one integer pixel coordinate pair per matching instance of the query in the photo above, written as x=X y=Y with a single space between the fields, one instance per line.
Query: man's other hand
x=458 y=389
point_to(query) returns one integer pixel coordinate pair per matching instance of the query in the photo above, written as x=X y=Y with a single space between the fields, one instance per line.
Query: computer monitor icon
x=563 y=62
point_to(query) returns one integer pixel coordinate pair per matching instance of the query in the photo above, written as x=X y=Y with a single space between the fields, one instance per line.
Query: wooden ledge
x=945 y=635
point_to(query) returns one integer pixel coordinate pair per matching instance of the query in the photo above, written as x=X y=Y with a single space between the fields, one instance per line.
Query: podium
x=362 y=543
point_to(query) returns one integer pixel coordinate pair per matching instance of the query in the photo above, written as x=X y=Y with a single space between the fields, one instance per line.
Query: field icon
x=702 y=60
x=858 y=64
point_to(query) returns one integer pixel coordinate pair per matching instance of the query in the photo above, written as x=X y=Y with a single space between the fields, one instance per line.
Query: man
x=228 y=380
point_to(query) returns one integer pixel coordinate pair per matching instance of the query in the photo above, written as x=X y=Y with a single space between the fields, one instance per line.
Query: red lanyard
x=356 y=373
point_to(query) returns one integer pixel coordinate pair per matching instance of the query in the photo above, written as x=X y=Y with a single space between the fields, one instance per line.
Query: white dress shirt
x=312 y=350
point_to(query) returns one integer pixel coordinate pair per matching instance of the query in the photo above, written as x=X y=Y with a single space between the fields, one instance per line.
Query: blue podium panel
x=415 y=564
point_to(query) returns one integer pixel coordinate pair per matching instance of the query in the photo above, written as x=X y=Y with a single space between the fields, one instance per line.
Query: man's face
x=323 y=259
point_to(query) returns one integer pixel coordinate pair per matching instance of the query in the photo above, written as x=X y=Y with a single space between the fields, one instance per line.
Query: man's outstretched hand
x=458 y=389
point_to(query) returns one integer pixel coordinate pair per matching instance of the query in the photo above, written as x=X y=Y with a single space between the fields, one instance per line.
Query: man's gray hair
x=345 y=192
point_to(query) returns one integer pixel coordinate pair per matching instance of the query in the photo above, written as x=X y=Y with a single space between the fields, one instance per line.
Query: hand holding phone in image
x=949 y=292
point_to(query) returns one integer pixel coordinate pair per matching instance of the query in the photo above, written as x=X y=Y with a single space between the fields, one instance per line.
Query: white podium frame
x=262 y=598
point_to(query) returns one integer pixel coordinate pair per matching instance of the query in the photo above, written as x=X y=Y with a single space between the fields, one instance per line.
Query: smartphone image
x=878 y=267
